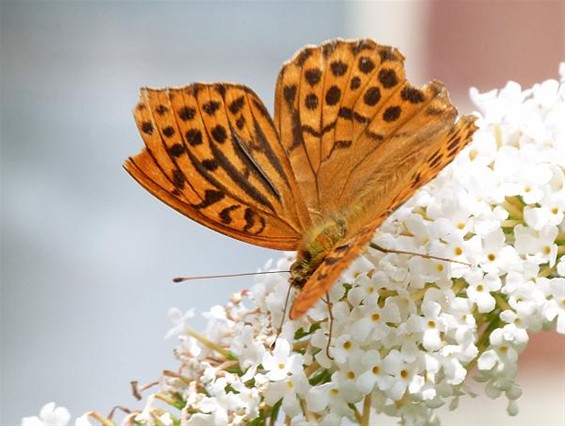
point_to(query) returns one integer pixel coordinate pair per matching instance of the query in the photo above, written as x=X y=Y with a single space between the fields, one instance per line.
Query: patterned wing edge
x=133 y=166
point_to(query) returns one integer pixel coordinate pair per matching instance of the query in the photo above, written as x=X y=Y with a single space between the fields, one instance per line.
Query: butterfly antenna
x=208 y=277
x=425 y=256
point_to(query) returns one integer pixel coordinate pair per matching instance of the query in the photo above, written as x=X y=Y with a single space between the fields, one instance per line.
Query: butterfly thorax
x=315 y=246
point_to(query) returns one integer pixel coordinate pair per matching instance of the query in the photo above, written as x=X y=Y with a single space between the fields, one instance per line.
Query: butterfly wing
x=420 y=170
x=347 y=115
x=212 y=153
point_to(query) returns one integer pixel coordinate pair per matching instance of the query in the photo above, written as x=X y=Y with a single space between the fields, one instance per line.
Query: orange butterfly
x=351 y=141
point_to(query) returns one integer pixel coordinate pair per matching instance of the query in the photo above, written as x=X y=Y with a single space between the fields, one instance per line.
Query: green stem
x=501 y=301
x=366 y=411
x=514 y=206
x=212 y=345
x=103 y=420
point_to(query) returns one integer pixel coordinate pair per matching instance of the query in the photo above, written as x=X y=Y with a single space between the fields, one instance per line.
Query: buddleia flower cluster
x=405 y=333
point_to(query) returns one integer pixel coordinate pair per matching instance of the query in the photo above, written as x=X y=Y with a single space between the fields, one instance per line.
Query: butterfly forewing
x=327 y=96
x=216 y=155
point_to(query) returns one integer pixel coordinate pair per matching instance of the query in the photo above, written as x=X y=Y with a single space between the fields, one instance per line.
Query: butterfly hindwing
x=345 y=252
x=212 y=153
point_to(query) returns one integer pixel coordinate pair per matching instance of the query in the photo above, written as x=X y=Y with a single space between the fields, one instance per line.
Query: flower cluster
x=404 y=333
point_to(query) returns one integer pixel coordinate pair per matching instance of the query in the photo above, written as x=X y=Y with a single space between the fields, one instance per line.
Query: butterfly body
x=315 y=246
x=351 y=140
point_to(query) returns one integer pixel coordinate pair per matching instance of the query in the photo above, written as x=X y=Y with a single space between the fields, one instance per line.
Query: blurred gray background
x=87 y=254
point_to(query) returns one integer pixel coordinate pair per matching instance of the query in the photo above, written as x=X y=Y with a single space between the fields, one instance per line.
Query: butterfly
x=350 y=142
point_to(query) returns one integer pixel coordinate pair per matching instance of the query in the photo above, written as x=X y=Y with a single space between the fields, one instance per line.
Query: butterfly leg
x=331 y=324
x=425 y=256
x=285 y=310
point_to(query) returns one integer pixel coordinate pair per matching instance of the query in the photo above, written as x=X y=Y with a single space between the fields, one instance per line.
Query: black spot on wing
x=355 y=83
x=210 y=164
x=193 y=137
x=303 y=56
x=346 y=113
x=236 y=105
x=176 y=150
x=338 y=68
x=225 y=214
x=168 y=131
x=387 y=77
x=313 y=76
x=333 y=95
x=289 y=93
x=211 y=107
x=161 y=110
x=311 y=101
x=365 y=64
x=372 y=96
x=147 y=128
x=254 y=223
x=211 y=196
x=412 y=95
x=392 y=113
x=219 y=133
x=386 y=53
x=186 y=113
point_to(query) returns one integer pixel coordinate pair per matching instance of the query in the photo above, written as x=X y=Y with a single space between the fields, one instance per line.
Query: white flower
x=49 y=415
x=83 y=420
x=249 y=350
x=280 y=364
x=402 y=371
x=288 y=389
x=538 y=245
x=328 y=397
x=498 y=257
x=555 y=307
x=179 y=319
x=480 y=288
